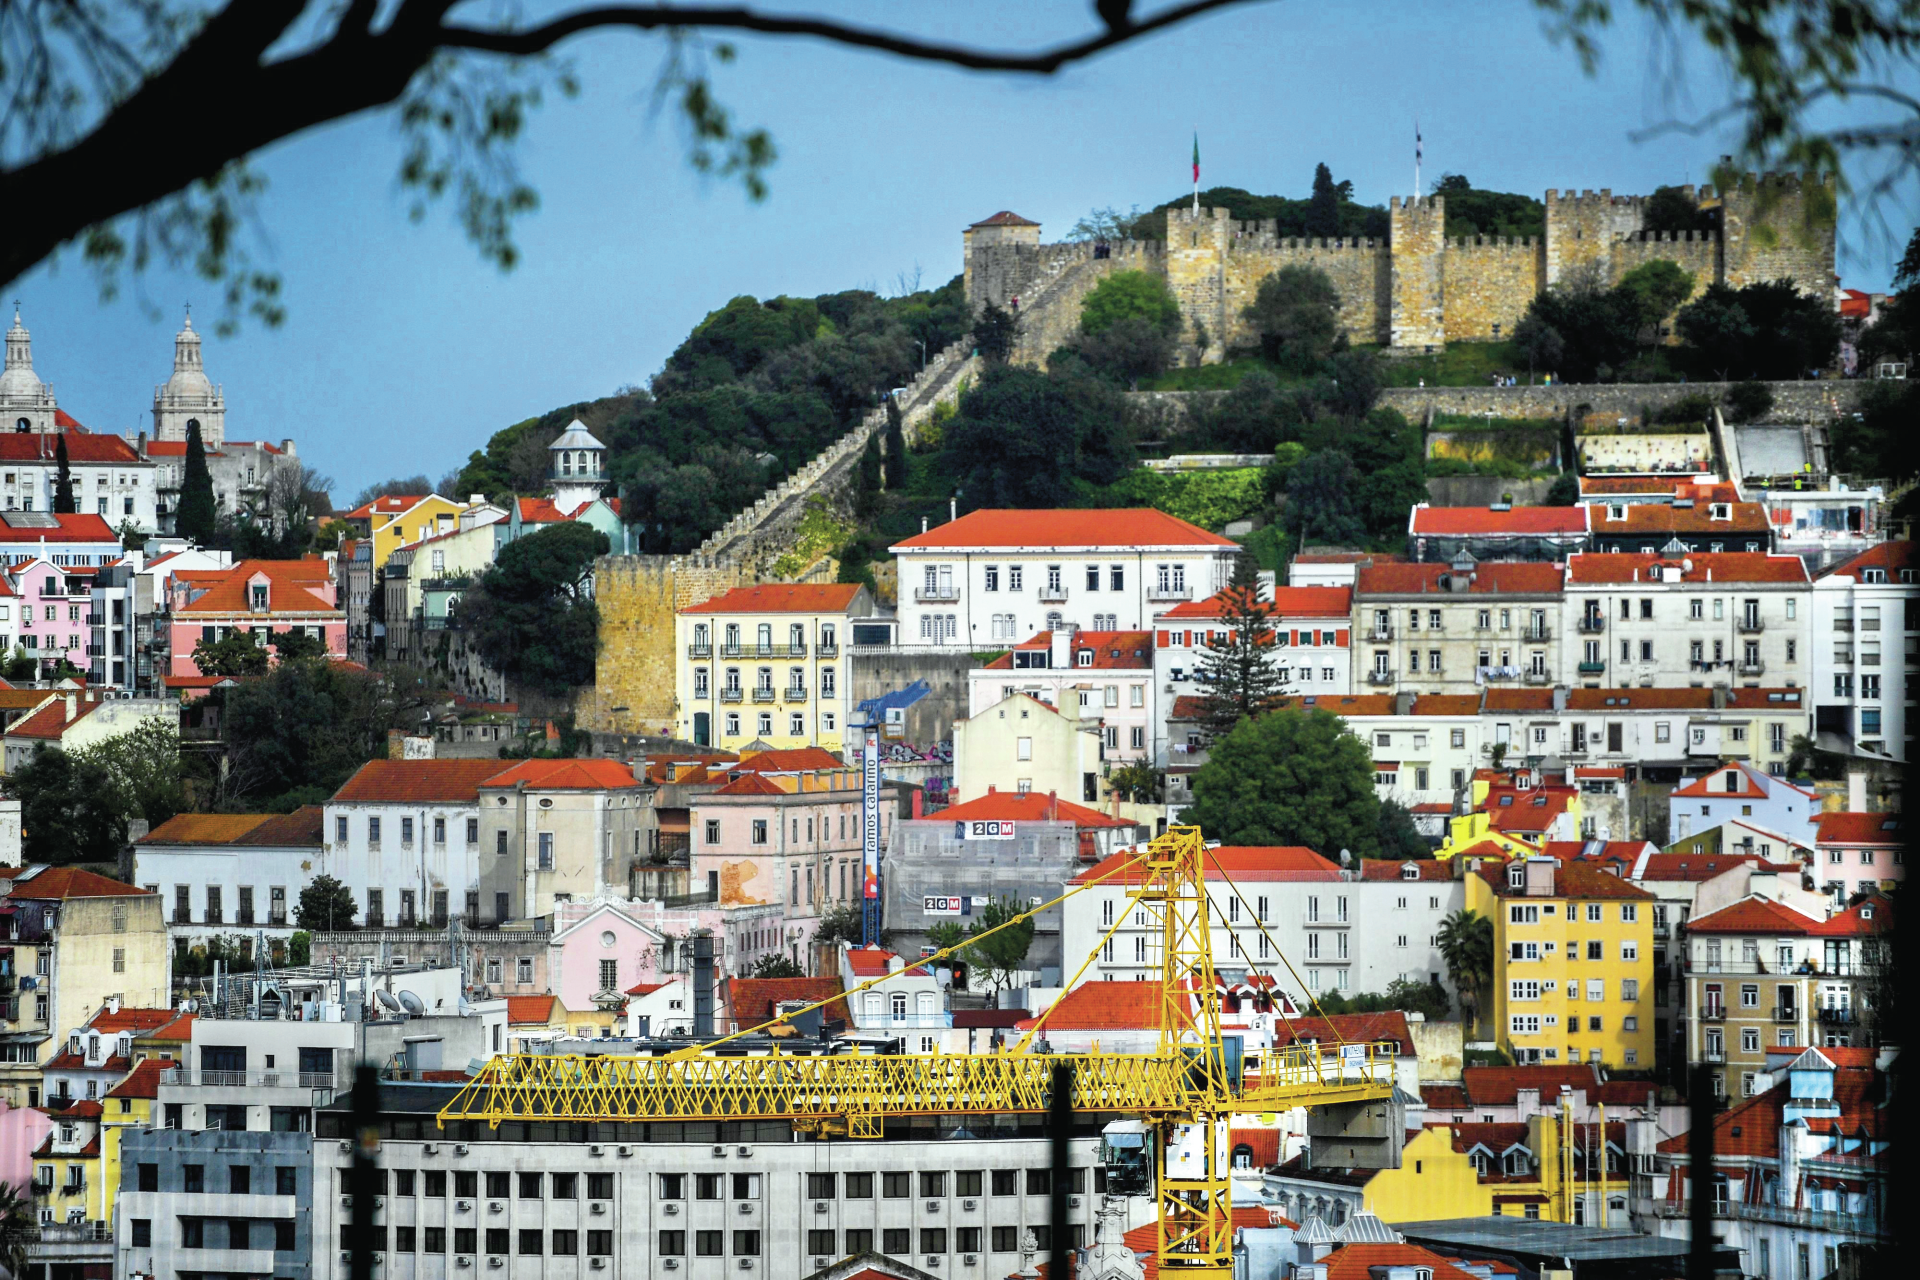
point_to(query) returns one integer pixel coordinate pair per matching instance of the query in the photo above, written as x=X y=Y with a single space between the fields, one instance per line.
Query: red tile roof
x=143 y=1081
x=66 y=882
x=1110 y=650
x=869 y=961
x=1640 y=519
x=1482 y=521
x=1723 y=566
x=1753 y=785
x=1029 y=807
x=1389 y=869
x=753 y=999
x=1500 y=1086
x=789 y=760
x=391 y=505
x=1872 y=916
x=1858 y=828
x=782 y=597
x=415 y=781
x=1525 y=811
x=1891 y=556
x=1286 y=602
x=593 y=773
x=1501 y=577
x=1685 y=867
x=1133 y=528
x=1006 y=218
x=1753 y=915
x=1347 y=1028
x=131 y=1019
x=523 y=1011
x=1368 y=1261
x=1602 y=486
x=82 y=446
x=67 y=528
x=293 y=586
x=1144 y=1240
x=301 y=827
x=1580 y=880
x=51 y=722
x=751 y=784
x=1753 y=1127
x=1103 y=1006
x=1241 y=863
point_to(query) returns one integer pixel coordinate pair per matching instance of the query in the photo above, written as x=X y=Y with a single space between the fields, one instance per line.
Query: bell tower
x=188 y=396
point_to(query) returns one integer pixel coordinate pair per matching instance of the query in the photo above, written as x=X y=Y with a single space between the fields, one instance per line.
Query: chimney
x=1559 y=697
x=113 y=1004
x=286 y=447
x=923 y=524
x=1403 y=703
x=396 y=744
x=1060 y=650
x=72 y=700
x=919 y=802
x=1857 y=791
x=703 y=983
x=953 y=510
x=1053 y=806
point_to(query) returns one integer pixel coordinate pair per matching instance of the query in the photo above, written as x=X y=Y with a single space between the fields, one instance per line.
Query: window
x=933 y=1239
x=1006 y=1182
x=1006 y=1239
x=600 y=1186
x=896 y=1185
x=859 y=1186
x=709 y=1244
x=896 y=1241
x=600 y=1244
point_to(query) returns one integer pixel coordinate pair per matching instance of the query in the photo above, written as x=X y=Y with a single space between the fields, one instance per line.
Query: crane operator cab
x=1126 y=1150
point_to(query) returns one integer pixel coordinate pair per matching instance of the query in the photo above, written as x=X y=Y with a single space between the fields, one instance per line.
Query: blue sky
x=403 y=351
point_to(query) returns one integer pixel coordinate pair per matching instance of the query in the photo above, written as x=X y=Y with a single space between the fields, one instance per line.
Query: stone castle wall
x=1420 y=289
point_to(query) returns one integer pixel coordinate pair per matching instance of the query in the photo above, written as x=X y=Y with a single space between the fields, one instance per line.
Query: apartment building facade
x=217 y=873
x=1455 y=628
x=404 y=837
x=1866 y=629
x=1312 y=641
x=768 y=664
x=1106 y=677
x=1023 y=744
x=994 y=577
x=559 y=830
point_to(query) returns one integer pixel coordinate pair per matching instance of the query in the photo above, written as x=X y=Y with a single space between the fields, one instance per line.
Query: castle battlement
x=1495 y=243
x=1603 y=198
x=1671 y=237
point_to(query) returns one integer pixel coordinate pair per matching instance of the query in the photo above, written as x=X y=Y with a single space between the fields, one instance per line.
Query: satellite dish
x=412 y=1003
x=386 y=1000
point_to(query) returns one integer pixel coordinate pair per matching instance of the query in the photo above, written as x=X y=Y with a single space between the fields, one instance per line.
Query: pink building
x=1856 y=853
x=53 y=602
x=255 y=595
x=601 y=950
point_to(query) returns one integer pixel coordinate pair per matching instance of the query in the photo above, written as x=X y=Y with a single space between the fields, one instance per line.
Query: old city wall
x=1695 y=252
x=633 y=690
x=1581 y=230
x=1418 y=230
x=1488 y=282
x=1778 y=227
x=1359 y=269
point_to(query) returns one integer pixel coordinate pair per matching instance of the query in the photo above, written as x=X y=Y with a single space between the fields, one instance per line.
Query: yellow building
x=393 y=522
x=1572 y=962
x=768 y=664
x=1516 y=810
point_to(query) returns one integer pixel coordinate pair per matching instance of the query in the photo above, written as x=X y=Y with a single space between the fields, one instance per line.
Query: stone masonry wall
x=1778 y=227
x=1419 y=277
x=634 y=684
x=1488 y=282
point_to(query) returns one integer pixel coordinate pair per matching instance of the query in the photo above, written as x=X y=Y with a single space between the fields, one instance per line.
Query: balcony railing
x=1536 y=677
x=826 y=649
x=1593 y=625
x=1713 y=1013
x=1752 y=668
x=1751 y=626
x=1592 y=668
x=699 y=651
x=1166 y=593
x=763 y=650
x=1381 y=631
x=702 y=694
x=944 y=595
x=1379 y=677
x=1786 y=1015
x=730 y=695
x=1540 y=631
x=1843 y=624
x=1053 y=595
x=763 y=695
x=1714 y=1055
x=251 y=1079
x=793 y=694
x=1842 y=1016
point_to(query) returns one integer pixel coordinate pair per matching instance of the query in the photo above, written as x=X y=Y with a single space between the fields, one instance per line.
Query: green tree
x=142 y=769
x=1766 y=330
x=1320 y=501
x=18 y=1227
x=1399 y=838
x=1128 y=350
x=1747 y=402
x=304 y=727
x=298 y=646
x=1466 y=947
x=1000 y=957
x=1140 y=783
x=299 y=948
x=62 y=477
x=234 y=654
x=1296 y=313
x=1565 y=490
x=946 y=935
x=1323 y=206
x=1670 y=209
x=896 y=468
x=1237 y=670
x=1290 y=777
x=531 y=616
x=1541 y=343
x=1130 y=295
x=775 y=965
x=841 y=923
x=866 y=479
x=197 y=517
x=1014 y=441
x=995 y=333
x=324 y=905
x=1655 y=289
x=70 y=809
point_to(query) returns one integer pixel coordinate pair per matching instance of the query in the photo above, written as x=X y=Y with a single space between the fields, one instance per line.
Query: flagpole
x=1416 y=160
x=1196 y=173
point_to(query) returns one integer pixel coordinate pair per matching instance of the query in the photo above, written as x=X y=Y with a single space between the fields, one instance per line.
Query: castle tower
x=188 y=396
x=999 y=255
x=26 y=403
x=579 y=467
x=1417 y=290
x=1196 y=261
x=1779 y=226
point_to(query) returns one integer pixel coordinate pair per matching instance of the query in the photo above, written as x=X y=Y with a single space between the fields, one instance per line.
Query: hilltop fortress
x=1419 y=289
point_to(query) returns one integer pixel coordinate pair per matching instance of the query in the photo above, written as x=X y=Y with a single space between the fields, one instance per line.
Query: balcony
x=1379 y=677
x=1713 y=1013
x=96 y=651
x=1842 y=1016
x=1714 y=1055
x=1592 y=668
x=1593 y=624
x=96 y=619
x=1786 y=1015
x=945 y=595
x=793 y=694
x=1540 y=631
x=764 y=650
x=1536 y=677
x=702 y=694
x=1166 y=593
x=763 y=695
x=1843 y=624
x=1381 y=631
x=827 y=649
x=1752 y=668
x=1751 y=626
x=730 y=695
x=1053 y=595
x=699 y=651
x=191 y=1076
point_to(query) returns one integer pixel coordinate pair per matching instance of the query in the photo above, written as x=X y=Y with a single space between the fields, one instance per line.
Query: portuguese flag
x=1196 y=159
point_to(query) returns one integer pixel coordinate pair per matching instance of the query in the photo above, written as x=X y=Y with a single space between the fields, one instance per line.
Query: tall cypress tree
x=62 y=478
x=1323 y=206
x=896 y=464
x=1238 y=670
x=866 y=479
x=196 y=518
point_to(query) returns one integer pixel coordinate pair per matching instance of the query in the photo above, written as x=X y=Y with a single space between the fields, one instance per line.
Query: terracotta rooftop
x=1491 y=577
x=65 y=882
x=592 y=773
x=782 y=597
x=82 y=446
x=1103 y=1006
x=1392 y=869
x=1031 y=806
x=1347 y=1028
x=752 y=1000
x=1107 y=650
x=293 y=586
x=1132 y=528
x=301 y=827
x=1578 y=880
x=1006 y=218
x=417 y=781
x=1889 y=556
x=1707 y=566
x=1285 y=602
x=869 y=961
x=1487 y=521
x=524 y=1011
x=66 y=527
x=1883 y=829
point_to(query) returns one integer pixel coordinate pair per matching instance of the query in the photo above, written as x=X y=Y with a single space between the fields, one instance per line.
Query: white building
x=908 y=1004
x=225 y=873
x=404 y=837
x=999 y=576
x=110 y=480
x=1736 y=791
x=1653 y=621
x=1108 y=675
x=1312 y=628
x=1866 y=648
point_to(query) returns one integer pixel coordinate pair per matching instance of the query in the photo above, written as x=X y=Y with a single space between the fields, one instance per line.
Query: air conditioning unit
x=821 y=1206
x=720 y=1151
x=820 y=1262
x=934 y=1259
x=743 y=1151
x=459 y=1148
x=346 y=1147
x=969 y=1204
x=746 y=1206
x=933 y=1206
x=671 y=1264
x=495 y=1206
x=746 y=1264
x=596 y=1151
x=626 y=1151
x=345 y=1257
x=970 y=1259
x=430 y=1149
x=379 y=1202
x=346 y=1202
x=1073 y=1202
x=598 y=1264
x=670 y=1208
x=463 y=1261
x=495 y=1261
x=463 y=1206
x=598 y=1207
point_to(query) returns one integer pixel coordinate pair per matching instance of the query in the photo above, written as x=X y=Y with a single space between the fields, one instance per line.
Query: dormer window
x=1409 y=872
x=1084 y=657
x=1720 y=511
x=1516 y=876
x=1617 y=511
x=1873 y=577
x=258 y=594
x=1866 y=913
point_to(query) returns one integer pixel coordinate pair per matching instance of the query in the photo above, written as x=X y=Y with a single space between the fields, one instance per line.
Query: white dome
x=189 y=380
x=18 y=382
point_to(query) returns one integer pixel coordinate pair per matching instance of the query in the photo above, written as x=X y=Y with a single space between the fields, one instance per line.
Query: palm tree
x=1466 y=944
x=16 y=1223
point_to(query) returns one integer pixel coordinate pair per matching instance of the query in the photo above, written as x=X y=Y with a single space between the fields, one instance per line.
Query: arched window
x=925 y=1002
x=733 y=635
x=23 y=425
x=899 y=1006
x=1243 y=1156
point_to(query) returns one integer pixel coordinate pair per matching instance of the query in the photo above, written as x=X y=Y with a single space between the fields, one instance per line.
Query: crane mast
x=1187 y=1090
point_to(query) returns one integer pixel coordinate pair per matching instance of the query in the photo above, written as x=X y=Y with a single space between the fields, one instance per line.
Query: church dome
x=18 y=382
x=189 y=380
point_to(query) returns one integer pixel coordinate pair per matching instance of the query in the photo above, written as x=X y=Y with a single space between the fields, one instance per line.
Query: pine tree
x=896 y=466
x=866 y=481
x=994 y=334
x=1323 y=206
x=1238 y=670
x=62 y=478
x=196 y=518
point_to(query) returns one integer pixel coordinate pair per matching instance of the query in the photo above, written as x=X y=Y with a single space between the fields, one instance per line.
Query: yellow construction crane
x=1185 y=1091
